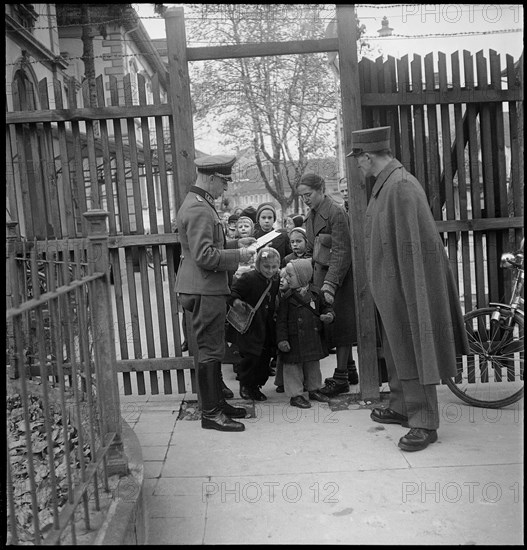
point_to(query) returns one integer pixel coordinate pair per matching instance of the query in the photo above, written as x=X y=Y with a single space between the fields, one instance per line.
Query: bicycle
x=491 y=375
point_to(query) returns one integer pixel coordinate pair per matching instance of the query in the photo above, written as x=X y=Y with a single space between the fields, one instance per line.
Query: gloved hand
x=284 y=346
x=328 y=291
x=327 y=318
x=247 y=254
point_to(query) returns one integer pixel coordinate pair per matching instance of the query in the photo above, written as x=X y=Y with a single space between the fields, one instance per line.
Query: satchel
x=241 y=316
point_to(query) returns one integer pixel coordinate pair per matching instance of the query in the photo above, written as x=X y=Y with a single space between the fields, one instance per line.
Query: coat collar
x=384 y=175
x=202 y=193
x=321 y=215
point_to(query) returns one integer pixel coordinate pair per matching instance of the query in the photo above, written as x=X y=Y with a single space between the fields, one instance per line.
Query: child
x=257 y=345
x=244 y=228
x=265 y=220
x=298 y=243
x=301 y=313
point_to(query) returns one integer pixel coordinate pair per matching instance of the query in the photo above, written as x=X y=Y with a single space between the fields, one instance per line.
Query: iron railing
x=64 y=447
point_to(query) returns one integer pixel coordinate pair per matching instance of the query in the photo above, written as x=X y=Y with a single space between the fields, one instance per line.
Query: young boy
x=258 y=344
x=244 y=228
x=299 y=321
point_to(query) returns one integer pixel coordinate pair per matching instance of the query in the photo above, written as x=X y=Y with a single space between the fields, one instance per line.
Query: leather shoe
x=334 y=387
x=226 y=391
x=257 y=395
x=389 y=416
x=315 y=395
x=417 y=439
x=300 y=401
x=232 y=412
x=280 y=389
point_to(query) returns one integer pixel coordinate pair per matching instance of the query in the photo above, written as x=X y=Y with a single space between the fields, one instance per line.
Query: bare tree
x=283 y=107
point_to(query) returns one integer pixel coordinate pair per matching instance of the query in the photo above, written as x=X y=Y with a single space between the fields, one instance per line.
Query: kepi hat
x=370 y=140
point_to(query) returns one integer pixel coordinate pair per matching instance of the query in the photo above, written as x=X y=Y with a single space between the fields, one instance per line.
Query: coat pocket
x=322 y=249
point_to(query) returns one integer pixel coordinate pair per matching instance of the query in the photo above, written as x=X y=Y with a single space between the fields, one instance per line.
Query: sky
x=423 y=28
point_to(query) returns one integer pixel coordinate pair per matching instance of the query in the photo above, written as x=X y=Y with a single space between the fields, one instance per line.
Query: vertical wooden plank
x=12 y=175
x=374 y=88
x=407 y=141
x=152 y=211
x=35 y=176
x=106 y=160
x=50 y=185
x=419 y=124
x=93 y=182
x=475 y=187
x=366 y=67
x=392 y=113
x=183 y=153
x=432 y=144
x=459 y=132
x=141 y=251
x=65 y=184
x=124 y=227
x=515 y=198
x=448 y=179
x=174 y=306
x=487 y=147
x=351 y=113
x=500 y=172
x=79 y=186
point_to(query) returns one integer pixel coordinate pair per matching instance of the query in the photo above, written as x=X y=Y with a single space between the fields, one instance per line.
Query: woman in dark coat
x=329 y=243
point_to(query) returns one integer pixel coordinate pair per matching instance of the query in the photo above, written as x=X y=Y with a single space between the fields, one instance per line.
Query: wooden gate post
x=182 y=130
x=12 y=297
x=352 y=120
x=104 y=339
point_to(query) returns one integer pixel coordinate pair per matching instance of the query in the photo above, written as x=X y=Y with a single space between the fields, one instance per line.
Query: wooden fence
x=453 y=132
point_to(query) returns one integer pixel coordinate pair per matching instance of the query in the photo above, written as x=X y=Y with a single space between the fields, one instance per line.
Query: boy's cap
x=300 y=230
x=250 y=212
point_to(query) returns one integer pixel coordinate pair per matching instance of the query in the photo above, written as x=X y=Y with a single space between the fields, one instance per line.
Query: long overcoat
x=410 y=279
x=300 y=327
x=331 y=220
x=249 y=287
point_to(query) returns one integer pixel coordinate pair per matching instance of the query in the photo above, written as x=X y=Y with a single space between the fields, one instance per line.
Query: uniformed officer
x=202 y=283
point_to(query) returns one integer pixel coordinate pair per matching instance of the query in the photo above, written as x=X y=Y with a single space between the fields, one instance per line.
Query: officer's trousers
x=207 y=314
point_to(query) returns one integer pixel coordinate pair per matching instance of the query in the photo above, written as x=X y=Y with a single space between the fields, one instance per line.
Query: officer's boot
x=212 y=416
x=228 y=410
x=225 y=390
x=353 y=375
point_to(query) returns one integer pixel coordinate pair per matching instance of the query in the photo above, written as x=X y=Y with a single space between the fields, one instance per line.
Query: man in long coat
x=202 y=284
x=413 y=289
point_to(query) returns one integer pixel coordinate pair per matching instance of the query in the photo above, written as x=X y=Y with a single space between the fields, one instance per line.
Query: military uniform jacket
x=410 y=278
x=300 y=327
x=206 y=255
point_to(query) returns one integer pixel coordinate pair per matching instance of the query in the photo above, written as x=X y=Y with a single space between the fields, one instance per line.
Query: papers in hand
x=267 y=238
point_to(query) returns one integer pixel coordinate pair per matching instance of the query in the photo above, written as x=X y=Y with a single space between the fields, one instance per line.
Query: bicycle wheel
x=491 y=375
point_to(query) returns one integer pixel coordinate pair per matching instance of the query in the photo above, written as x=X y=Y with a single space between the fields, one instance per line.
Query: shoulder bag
x=241 y=316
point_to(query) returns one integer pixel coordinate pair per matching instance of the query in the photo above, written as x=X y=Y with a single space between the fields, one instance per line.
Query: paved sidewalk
x=323 y=476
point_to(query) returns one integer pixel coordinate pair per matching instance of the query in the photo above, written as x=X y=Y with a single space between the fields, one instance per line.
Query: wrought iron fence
x=64 y=448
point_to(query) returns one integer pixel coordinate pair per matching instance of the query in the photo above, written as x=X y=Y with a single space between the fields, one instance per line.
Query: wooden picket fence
x=449 y=130
x=101 y=165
